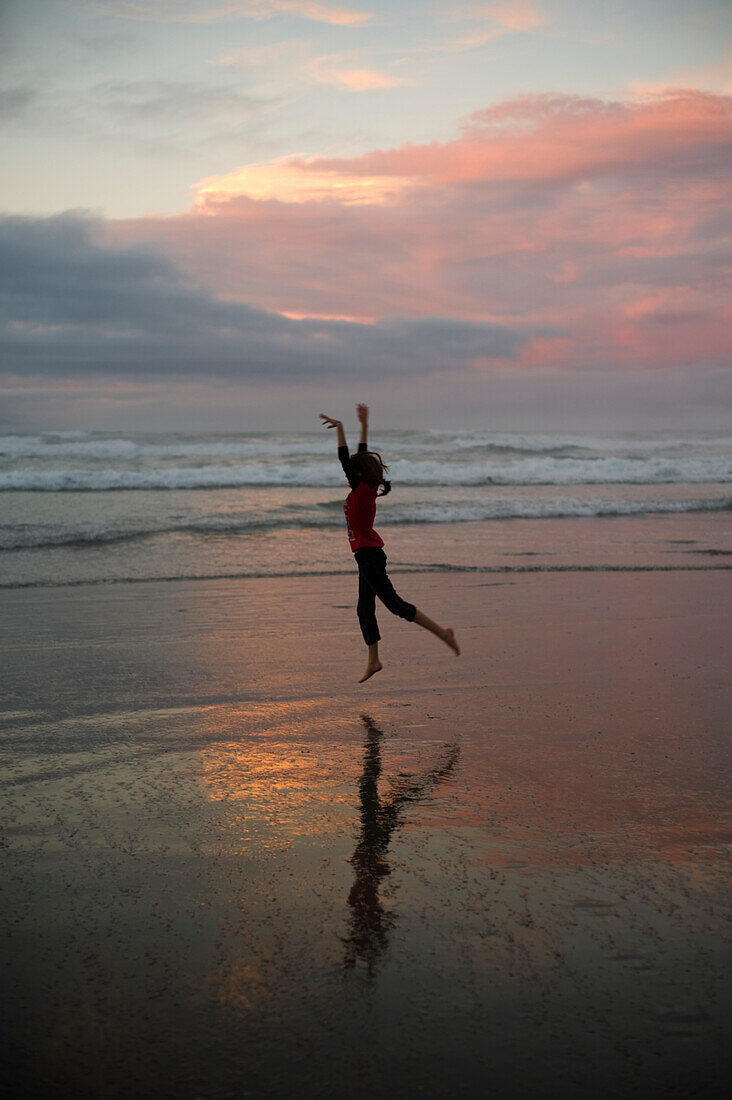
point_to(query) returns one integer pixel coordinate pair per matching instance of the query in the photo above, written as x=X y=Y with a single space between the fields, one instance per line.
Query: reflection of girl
x=365 y=472
x=370 y=921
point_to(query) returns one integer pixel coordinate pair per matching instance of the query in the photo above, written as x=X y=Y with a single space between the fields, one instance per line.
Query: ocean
x=79 y=507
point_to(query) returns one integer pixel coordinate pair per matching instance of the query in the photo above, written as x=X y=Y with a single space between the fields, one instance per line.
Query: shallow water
x=91 y=506
x=661 y=541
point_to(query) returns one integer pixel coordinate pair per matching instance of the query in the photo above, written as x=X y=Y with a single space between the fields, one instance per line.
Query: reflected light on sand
x=284 y=788
x=240 y=984
x=283 y=777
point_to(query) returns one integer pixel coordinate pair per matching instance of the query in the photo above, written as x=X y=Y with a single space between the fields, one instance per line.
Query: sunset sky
x=222 y=214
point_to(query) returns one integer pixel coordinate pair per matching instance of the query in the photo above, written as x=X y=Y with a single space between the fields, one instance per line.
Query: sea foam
x=27 y=536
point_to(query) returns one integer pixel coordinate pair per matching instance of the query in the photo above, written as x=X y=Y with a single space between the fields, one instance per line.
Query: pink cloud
x=553 y=137
x=601 y=227
x=495 y=20
x=337 y=70
x=202 y=11
x=714 y=76
x=319 y=13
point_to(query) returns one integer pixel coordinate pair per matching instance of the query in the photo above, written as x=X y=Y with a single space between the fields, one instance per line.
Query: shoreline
x=663 y=542
x=402 y=569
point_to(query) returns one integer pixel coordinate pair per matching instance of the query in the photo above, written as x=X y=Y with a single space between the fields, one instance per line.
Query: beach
x=232 y=871
x=311 y=307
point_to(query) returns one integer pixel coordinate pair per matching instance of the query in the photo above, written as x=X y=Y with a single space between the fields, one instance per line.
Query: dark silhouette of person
x=370 y=921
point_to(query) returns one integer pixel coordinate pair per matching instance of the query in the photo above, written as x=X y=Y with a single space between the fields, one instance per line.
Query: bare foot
x=371 y=670
x=449 y=639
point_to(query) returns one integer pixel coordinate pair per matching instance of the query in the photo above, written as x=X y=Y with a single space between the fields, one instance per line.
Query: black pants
x=373 y=582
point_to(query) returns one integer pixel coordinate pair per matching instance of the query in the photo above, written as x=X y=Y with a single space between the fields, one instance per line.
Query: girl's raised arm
x=362 y=412
x=345 y=459
x=330 y=422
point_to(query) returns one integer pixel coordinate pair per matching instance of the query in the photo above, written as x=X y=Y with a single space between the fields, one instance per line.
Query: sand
x=231 y=871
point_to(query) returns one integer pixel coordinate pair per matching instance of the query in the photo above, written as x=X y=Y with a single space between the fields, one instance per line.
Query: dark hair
x=370 y=467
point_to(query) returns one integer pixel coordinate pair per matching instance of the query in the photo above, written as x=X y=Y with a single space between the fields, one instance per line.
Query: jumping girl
x=365 y=473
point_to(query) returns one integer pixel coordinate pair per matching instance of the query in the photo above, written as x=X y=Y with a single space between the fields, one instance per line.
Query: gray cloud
x=175 y=101
x=15 y=102
x=159 y=115
x=69 y=305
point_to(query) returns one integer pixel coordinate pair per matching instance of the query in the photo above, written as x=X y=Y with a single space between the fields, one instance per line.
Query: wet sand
x=230 y=871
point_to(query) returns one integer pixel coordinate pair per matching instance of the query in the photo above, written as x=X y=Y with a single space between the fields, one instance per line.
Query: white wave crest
x=130 y=449
x=526 y=471
x=33 y=536
x=99 y=446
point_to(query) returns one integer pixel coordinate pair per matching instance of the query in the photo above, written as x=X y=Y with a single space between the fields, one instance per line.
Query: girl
x=365 y=472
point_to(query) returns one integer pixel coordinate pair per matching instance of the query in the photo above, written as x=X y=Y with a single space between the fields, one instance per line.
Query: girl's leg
x=369 y=626
x=373 y=664
x=366 y=610
x=373 y=581
x=447 y=634
x=377 y=578
x=384 y=589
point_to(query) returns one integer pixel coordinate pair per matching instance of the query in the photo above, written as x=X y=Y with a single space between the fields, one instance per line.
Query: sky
x=235 y=214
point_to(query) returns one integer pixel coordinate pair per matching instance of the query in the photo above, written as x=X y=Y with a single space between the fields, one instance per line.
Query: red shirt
x=360 y=509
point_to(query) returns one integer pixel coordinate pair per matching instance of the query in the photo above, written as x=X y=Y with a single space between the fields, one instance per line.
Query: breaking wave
x=408 y=472
x=329 y=515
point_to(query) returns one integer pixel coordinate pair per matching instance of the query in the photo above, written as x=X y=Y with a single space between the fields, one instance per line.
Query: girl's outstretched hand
x=362 y=412
x=328 y=421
